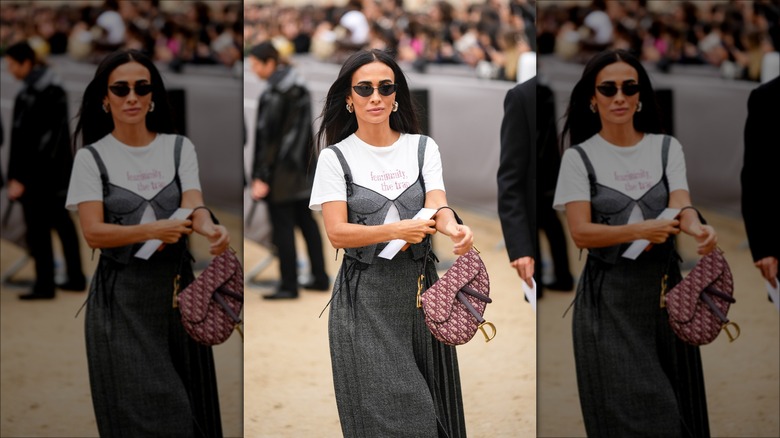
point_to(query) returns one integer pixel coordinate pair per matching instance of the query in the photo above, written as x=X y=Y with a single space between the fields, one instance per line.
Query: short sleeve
x=431 y=171
x=329 y=184
x=573 y=182
x=85 y=184
x=675 y=167
x=188 y=167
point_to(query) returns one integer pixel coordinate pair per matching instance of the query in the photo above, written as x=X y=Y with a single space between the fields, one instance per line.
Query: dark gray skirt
x=635 y=377
x=391 y=377
x=147 y=376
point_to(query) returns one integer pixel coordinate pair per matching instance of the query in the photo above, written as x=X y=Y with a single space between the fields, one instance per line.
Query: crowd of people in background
x=488 y=35
x=195 y=33
x=732 y=36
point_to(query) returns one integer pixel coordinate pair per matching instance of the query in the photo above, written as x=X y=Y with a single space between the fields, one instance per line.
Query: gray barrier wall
x=212 y=96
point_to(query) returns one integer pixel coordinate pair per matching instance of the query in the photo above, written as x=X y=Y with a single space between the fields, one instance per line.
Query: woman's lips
x=132 y=111
x=620 y=111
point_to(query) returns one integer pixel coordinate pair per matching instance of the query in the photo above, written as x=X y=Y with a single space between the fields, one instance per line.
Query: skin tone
x=129 y=115
x=616 y=114
x=263 y=70
x=373 y=118
x=19 y=70
x=768 y=268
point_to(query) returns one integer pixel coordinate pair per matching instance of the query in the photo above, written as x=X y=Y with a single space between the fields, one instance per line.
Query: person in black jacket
x=283 y=167
x=759 y=178
x=39 y=169
x=517 y=179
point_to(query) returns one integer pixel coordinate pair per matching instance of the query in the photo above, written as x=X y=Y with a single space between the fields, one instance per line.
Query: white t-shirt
x=631 y=170
x=387 y=170
x=114 y=25
x=358 y=26
x=144 y=170
x=601 y=24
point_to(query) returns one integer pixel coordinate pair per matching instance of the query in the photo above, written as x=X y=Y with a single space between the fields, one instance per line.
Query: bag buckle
x=725 y=327
x=488 y=338
x=419 y=290
x=176 y=286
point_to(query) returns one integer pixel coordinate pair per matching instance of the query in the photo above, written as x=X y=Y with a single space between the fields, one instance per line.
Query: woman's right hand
x=170 y=230
x=415 y=230
x=659 y=230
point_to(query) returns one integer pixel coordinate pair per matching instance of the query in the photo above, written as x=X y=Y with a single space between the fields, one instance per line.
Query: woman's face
x=618 y=109
x=375 y=108
x=130 y=109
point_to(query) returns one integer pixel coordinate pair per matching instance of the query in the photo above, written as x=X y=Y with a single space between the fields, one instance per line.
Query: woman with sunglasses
x=635 y=377
x=147 y=376
x=391 y=377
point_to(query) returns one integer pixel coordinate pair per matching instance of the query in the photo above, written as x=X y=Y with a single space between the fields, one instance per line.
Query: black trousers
x=42 y=213
x=285 y=216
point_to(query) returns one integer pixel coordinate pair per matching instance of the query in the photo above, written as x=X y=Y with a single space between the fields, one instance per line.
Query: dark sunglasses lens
x=143 y=89
x=630 y=89
x=363 y=90
x=608 y=90
x=120 y=90
x=387 y=89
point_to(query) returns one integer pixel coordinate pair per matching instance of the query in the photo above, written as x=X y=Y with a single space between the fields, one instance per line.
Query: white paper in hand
x=394 y=246
x=774 y=293
x=530 y=292
x=638 y=246
x=150 y=246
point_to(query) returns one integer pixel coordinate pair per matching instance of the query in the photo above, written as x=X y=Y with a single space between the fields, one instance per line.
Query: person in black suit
x=39 y=167
x=759 y=178
x=517 y=180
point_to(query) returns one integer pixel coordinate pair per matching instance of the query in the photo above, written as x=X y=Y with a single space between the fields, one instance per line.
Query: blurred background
x=197 y=48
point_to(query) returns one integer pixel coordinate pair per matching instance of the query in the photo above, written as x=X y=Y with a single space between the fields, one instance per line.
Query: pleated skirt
x=635 y=377
x=148 y=378
x=391 y=377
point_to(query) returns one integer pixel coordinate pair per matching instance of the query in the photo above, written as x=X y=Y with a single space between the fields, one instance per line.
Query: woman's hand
x=218 y=237
x=659 y=230
x=170 y=230
x=415 y=230
x=462 y=236
x=706 y=237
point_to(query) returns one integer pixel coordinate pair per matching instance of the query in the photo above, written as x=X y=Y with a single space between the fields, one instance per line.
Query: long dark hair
x=94 y=123
x=581 y=123
x=338 y=124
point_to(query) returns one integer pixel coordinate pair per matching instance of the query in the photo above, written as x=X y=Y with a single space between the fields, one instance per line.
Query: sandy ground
x=741 y=378
x=285 y=375
x=43 y=373
x=288 y=385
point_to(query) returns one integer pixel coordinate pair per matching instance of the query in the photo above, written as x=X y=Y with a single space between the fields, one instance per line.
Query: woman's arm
x=99 y=234
x=690 y=224
x=586 y=234
x=461 y=235
x=343 y=234
x=202 y=224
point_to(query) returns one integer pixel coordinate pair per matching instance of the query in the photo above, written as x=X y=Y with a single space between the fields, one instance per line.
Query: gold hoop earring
x=151 y=107
x=395 y=106
x=105 y=108
x=592 y=108
x=639 y=106
x=350 y=108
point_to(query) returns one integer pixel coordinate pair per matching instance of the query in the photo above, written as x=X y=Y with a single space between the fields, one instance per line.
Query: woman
x=635 y=377
x=392 y=378
x=147 y=376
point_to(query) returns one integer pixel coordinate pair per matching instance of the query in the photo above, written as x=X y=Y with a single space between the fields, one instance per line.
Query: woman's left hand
x=706 y=236
x=219 y=238
x=462 y=236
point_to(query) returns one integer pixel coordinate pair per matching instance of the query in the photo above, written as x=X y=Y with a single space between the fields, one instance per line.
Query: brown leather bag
x=210 y=306
x=698 y=304
x=455 y=303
